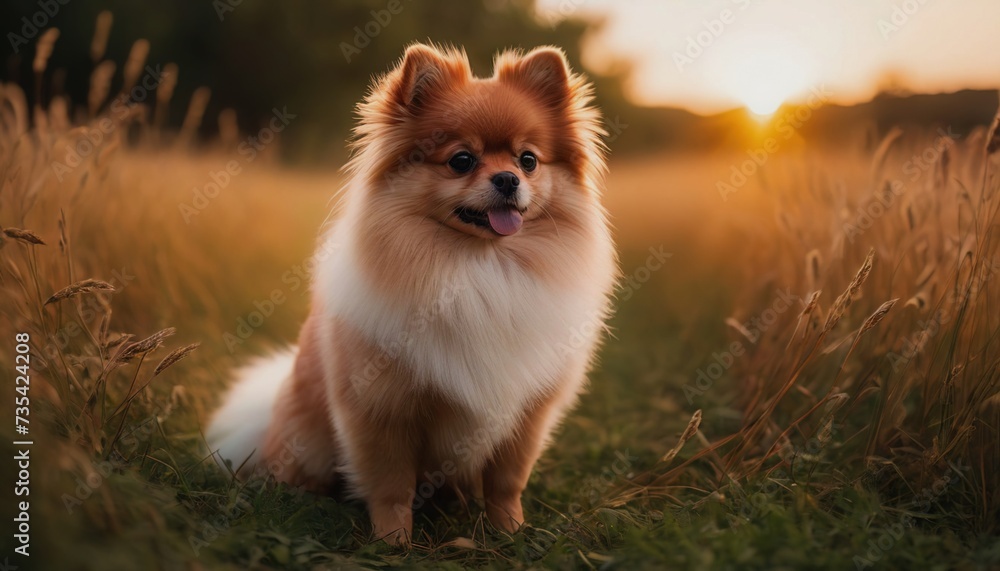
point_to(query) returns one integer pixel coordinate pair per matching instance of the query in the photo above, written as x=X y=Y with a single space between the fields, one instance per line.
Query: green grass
x=133 y=487
x=166 y=506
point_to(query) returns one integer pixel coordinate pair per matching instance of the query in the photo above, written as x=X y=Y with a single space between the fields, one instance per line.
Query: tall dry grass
x=98 y=265
x=886 y=376
x=63 y=264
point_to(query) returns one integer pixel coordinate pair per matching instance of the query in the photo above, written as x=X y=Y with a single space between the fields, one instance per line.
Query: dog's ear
x=543 y=72
x=422 y=72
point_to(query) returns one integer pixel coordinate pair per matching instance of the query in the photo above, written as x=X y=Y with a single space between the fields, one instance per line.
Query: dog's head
x=493 y=158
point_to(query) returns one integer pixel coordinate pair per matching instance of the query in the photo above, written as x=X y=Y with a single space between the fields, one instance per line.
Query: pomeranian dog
x=460 y=301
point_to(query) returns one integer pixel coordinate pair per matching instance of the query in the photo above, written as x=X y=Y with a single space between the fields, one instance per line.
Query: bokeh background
x=802 y=371
x=679 y=74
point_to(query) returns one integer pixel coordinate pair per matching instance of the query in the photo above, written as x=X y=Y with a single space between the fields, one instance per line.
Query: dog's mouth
x=504 y=220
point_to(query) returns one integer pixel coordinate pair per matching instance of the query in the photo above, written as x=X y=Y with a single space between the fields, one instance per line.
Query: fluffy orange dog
x=455 y=319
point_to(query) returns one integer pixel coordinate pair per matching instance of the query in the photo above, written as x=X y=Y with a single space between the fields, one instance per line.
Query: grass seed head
x=133 y=65
x=174 y=356
x=811 y=303
x=148 y=344
x=102 y=31
x=43 y=50
x=26 y=236
x=879 y=315
x=100 y=85
x=844 y=301
x=691 y=430
x=85 y=286
x=813 y=262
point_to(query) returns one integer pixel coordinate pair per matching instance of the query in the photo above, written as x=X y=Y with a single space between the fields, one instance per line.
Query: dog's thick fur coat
x=435 y=346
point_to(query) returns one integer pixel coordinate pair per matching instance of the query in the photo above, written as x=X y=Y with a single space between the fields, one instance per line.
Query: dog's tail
x=236 y=432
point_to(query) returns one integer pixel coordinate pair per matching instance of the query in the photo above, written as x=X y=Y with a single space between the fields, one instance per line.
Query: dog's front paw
x=396 y=538
x=505 y=514
x=393 y=523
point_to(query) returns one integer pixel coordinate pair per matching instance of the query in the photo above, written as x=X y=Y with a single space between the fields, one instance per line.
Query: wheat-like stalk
x=168 y=82
x=43 y=50
x=59 y=114
x=100 y=85
x=164 y=93
x=18 y=107
x=813 y=273
x=144 y=346
x=844 y=301
x=26 y=236
x=811 y=303
x=944 y=164
x=174 y=356
x=133 y=65
x=102 y=31
x=878 y=316
x=112 y=343
x=229 y=129
x=81 y=287
x=691 y=430
x=882 y=153
x=195 y=112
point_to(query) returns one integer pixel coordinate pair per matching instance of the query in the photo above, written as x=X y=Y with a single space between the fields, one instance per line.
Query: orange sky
x=712 y=55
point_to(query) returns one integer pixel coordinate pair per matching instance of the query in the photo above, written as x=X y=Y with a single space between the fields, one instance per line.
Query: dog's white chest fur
x=485 y=333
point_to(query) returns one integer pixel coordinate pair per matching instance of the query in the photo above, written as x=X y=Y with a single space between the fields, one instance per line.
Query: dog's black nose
x=505 y=183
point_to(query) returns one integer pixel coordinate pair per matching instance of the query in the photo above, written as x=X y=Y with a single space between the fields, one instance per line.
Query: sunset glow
x=713 y=55
x=765 y=79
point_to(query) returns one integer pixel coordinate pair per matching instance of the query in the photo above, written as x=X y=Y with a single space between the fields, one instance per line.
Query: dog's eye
x=528 y=161
x=462 y=162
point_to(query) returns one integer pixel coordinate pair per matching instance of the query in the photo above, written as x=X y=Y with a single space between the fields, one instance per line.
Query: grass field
x=849 y=432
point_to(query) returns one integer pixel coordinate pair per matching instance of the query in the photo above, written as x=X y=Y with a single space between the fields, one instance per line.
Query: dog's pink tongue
x=505 y=221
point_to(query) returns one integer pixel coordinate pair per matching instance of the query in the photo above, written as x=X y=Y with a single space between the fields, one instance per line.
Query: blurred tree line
x=314 y=58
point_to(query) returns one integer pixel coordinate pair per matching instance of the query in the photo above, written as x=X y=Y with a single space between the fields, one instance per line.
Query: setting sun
x=764 y=104
x=766 y=78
